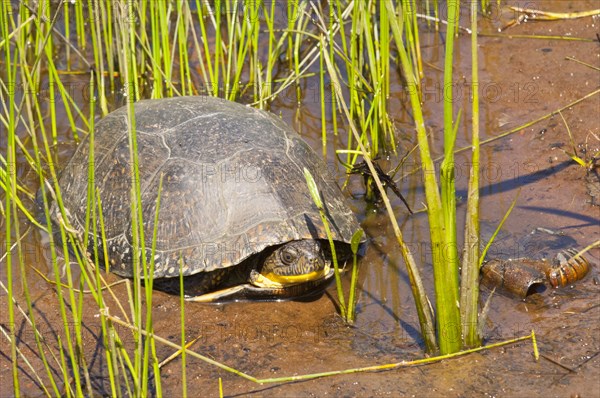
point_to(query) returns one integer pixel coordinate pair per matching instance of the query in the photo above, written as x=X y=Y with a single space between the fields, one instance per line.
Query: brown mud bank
x=523 y=79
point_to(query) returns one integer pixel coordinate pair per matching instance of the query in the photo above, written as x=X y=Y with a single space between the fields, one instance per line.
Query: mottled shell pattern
x=232 y=185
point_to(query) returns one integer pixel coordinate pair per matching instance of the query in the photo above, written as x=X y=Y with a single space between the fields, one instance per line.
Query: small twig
x=583 y=63
x=547 y=358
x=177 y=353
x=14 y=244
x=442 y=21
x=84 y=291
x=552 y=16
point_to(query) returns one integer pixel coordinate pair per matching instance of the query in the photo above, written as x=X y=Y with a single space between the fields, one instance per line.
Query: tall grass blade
x=447 y=316
x=11 y=191
x=150 y=349
x=354 y=245
x=182 y=326
x=316 y=197
x=445 y=267
x=140 y=364
x=469 y=288
x=498 y=228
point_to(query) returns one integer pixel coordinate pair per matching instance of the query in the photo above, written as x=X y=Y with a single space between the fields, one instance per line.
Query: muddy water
x=522 y=79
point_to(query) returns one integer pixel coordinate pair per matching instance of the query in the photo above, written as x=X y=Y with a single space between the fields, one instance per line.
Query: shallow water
x=523 y=79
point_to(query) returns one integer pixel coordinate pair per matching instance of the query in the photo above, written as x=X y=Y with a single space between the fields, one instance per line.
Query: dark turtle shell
x=233 y=185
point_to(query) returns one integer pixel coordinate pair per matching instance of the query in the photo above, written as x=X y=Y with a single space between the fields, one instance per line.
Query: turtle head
x=294 y=262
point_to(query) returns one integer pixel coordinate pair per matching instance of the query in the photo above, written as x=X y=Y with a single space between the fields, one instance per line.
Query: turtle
x=235 y=216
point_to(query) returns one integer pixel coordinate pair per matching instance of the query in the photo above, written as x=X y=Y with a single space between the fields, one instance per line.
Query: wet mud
x=522 y=80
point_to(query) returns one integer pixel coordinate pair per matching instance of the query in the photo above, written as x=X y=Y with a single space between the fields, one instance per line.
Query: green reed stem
x=206 y=66
x=68 y=389
x=97 y=220
x=110 y=354
x=300 y=16
x=215 y=82
x=106 y=8
x=443 y=211
x=182 y=326
x=354 y=246
x=431 y=186
x=316 y=197
x=232 y=44
x=139 y=252
x=164 y=22
x=322 y=98
x=80 y=24
x=469 y=288
x=182 y=35
x=156 y=50
x=331 y=32
x=11 y=192
x=498 y=228
x=273 y=52
x=150 y=347
x=95 y=32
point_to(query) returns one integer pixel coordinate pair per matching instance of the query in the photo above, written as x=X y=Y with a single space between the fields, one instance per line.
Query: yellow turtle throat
x=272 y=280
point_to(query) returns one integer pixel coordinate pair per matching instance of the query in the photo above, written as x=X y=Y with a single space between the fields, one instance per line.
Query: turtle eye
x=287 y=257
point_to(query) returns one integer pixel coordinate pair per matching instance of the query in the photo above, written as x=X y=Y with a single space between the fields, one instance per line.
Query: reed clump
x=255 y=52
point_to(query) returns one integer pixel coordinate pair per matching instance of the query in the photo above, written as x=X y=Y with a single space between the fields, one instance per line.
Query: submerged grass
x=237 y=50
